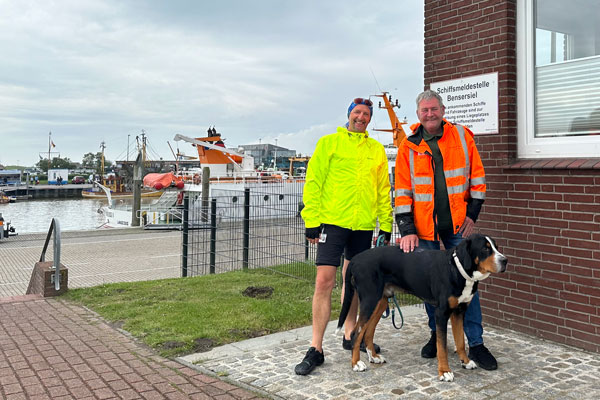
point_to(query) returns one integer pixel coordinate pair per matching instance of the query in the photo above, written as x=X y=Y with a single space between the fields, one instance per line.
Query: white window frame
x=527 y=144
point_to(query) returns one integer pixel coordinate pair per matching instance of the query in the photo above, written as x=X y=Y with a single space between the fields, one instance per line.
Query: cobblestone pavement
x=528 y=367
x=51 y=349
x=93 y=257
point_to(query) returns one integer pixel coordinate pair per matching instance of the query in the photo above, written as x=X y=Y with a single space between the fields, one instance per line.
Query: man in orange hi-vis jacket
x=440 y=188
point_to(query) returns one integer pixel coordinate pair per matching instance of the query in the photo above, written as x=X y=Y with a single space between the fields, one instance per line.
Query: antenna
x=377 y=83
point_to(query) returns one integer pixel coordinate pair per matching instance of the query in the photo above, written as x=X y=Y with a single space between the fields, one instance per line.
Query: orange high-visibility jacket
x=414 y=187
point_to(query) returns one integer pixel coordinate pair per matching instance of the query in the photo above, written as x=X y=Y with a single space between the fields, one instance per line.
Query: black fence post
x=185 y=239
x=213 y=234
x=305 y=248
x=246 y=243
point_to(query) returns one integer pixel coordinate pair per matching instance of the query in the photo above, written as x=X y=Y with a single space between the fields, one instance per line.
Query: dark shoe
x=482 y=357
x=347 y=345
x=430 y=349
x=312 y=359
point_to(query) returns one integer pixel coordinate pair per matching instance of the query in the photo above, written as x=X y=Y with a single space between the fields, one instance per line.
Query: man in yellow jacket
x=347 y=191
x=440 y=188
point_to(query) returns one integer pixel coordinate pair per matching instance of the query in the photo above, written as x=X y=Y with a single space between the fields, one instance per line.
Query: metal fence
x=258 y=226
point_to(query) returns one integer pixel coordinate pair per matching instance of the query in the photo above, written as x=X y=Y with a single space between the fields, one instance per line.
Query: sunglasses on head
x=360 y=100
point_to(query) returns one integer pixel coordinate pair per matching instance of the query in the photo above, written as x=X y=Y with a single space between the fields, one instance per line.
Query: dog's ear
x=464 y=254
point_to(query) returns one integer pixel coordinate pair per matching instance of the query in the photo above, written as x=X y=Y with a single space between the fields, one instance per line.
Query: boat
x=4 y=198
x=116 y=188
x=231 y=172
x=159 y=181
x=164 y=212
x=100 y=194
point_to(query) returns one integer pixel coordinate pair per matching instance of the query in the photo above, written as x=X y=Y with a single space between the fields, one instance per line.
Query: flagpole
x=49 y=141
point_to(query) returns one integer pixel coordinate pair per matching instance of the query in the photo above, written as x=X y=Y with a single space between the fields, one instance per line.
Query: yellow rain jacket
x=347 y=183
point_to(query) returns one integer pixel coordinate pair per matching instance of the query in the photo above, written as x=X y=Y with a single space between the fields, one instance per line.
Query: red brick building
x=543 y=163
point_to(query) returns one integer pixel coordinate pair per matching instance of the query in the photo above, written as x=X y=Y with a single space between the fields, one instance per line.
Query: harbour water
x=35 y=216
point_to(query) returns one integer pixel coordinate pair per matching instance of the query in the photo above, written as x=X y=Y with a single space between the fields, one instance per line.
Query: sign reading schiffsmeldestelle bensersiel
x=471 y=101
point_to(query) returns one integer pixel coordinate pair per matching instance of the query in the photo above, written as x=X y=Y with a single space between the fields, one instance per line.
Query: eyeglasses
x=360 y=100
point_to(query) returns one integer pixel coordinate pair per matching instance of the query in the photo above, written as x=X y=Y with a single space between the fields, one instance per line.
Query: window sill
x=556 y=163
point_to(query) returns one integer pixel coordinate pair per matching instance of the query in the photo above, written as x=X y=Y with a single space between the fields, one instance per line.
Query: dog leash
x=391 y=300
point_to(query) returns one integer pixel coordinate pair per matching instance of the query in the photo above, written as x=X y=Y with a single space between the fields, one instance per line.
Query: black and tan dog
x=446 y=279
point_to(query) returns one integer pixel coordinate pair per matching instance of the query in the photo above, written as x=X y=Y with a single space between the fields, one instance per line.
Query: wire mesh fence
x=258 y=226
x=255 y=226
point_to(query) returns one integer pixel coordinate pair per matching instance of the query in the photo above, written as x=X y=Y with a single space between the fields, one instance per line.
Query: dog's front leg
x=457 y=320
x=444 y=372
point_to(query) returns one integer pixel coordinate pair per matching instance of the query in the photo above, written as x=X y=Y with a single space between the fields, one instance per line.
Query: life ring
x=196 y=179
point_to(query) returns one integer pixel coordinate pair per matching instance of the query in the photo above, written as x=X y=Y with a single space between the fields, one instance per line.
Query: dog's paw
x=470 y=365
x=359 y=367
x=447 y=377
x=376 y=359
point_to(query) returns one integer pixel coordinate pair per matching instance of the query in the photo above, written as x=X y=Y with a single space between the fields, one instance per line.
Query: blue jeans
x=472 y=324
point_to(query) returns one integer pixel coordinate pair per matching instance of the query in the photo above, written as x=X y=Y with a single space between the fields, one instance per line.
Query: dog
x=447 y=279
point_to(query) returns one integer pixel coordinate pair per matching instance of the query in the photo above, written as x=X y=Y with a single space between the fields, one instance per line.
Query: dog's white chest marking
x=467 y=293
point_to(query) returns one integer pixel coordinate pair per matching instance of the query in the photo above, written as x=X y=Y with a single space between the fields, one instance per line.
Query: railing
x=54 y=228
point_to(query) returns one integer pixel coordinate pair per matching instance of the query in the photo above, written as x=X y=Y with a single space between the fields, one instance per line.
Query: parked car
x=78 y=179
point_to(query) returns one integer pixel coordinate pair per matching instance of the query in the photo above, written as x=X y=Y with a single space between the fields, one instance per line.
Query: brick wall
x=545 y=214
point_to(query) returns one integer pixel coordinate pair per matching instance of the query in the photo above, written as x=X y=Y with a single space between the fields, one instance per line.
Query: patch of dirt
x=172 y=344
x=202 y=345
x=258 y=292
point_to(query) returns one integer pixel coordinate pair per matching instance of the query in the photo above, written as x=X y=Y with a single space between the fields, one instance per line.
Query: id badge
x=322 y=238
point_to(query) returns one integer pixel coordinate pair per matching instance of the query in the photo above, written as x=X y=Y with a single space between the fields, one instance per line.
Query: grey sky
x=100 y=70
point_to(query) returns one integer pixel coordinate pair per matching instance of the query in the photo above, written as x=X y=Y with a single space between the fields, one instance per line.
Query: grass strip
x=184 y=315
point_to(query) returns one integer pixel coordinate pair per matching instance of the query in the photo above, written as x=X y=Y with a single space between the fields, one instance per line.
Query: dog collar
x=464 y=273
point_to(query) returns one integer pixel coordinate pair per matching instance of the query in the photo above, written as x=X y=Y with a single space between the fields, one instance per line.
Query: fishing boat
x=4 y=198
x=231 y=172
x=117 y=191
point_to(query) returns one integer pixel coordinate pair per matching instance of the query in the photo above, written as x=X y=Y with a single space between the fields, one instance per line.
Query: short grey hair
x=428 y=95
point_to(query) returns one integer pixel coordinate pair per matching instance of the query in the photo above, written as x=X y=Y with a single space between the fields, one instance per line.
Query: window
x=558 y=76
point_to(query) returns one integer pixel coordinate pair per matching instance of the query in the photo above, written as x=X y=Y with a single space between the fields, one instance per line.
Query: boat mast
x=397 y=131
x=102 y=146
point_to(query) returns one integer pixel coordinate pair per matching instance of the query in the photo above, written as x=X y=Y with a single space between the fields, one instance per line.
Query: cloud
x=98 y=71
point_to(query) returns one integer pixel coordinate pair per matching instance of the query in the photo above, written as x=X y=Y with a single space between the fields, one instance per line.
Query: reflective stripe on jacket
x=414 y=188
x=347 y=183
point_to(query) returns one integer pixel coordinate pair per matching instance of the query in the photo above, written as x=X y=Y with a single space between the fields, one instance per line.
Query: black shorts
x=340 y=241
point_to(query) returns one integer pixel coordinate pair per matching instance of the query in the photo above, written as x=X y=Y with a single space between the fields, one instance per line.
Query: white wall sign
x=472 y=101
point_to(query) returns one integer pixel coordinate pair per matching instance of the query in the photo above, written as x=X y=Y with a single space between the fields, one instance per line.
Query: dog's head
x=479 y=256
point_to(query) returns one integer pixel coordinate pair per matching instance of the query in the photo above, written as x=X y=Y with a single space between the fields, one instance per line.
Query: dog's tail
x=348 y=296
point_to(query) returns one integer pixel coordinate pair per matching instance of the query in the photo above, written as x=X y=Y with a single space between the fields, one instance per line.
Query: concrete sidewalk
x=51 y=349
x=93 y=257
x=529 y=368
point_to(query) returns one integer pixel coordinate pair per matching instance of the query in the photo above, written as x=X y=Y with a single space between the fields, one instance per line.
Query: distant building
x=10 y=176
x=268 y=155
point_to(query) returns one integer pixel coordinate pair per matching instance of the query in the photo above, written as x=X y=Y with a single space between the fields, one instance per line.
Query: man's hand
x=467 y=227
x=387 y=237
x=409 y=242
x=312 y=234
